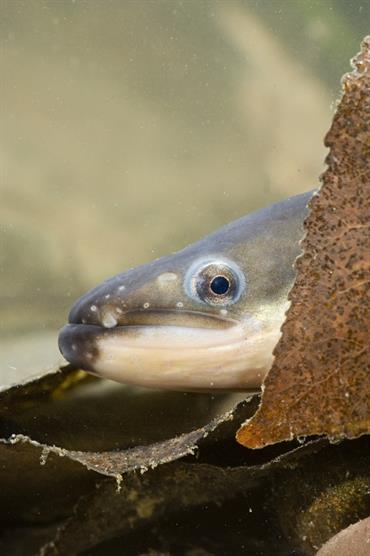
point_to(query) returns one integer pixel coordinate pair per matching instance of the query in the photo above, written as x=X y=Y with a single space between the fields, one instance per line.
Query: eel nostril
x=109 y=320
x=90 y=311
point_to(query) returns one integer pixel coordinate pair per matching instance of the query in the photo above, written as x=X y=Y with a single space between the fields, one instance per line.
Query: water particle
x=44 y=456
x=119 y=480
x=301 y=439
x=109 y=320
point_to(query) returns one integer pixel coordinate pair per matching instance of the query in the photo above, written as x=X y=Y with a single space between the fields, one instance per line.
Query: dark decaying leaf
x=41 y=483
x=81 y=413
x=114 y=463
x=110 y=428
x=320 y=379
x=302 y=500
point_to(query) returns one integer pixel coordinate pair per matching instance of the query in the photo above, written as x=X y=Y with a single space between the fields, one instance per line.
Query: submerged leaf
x=174 y=488
x=111 y=428
x=320 y=380
x=116 y=462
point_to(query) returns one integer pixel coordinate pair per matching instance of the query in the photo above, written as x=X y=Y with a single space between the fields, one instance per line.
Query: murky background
x=129 y=129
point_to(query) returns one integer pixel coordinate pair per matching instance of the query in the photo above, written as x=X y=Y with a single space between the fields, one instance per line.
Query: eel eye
x=220 y=285
x=216 y=283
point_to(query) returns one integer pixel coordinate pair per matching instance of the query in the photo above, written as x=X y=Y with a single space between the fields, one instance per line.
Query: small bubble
x=146 y=305
x=179 y=304
x=93 y=308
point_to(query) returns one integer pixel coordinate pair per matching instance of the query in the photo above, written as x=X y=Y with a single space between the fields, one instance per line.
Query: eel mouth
x=175 y=350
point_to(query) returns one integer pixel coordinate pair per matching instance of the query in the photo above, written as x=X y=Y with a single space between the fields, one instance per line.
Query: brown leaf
x=80 y=413
x=320 y=380
x=114 y=463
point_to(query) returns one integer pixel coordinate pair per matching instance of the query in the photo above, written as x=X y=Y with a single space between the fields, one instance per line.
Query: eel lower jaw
x=175 y=357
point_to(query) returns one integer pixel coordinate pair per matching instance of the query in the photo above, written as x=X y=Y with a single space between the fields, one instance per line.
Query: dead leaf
x=320 y=380
x=177 y=487
x=56 y=429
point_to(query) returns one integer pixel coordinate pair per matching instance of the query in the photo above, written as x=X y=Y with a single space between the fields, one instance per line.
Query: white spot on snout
x=121 y=288
x=107 y=296
x=223 y=312
x=109 y=320
x=165 y=278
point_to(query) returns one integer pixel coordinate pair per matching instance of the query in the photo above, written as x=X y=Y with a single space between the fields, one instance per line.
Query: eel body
x=206 y=317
